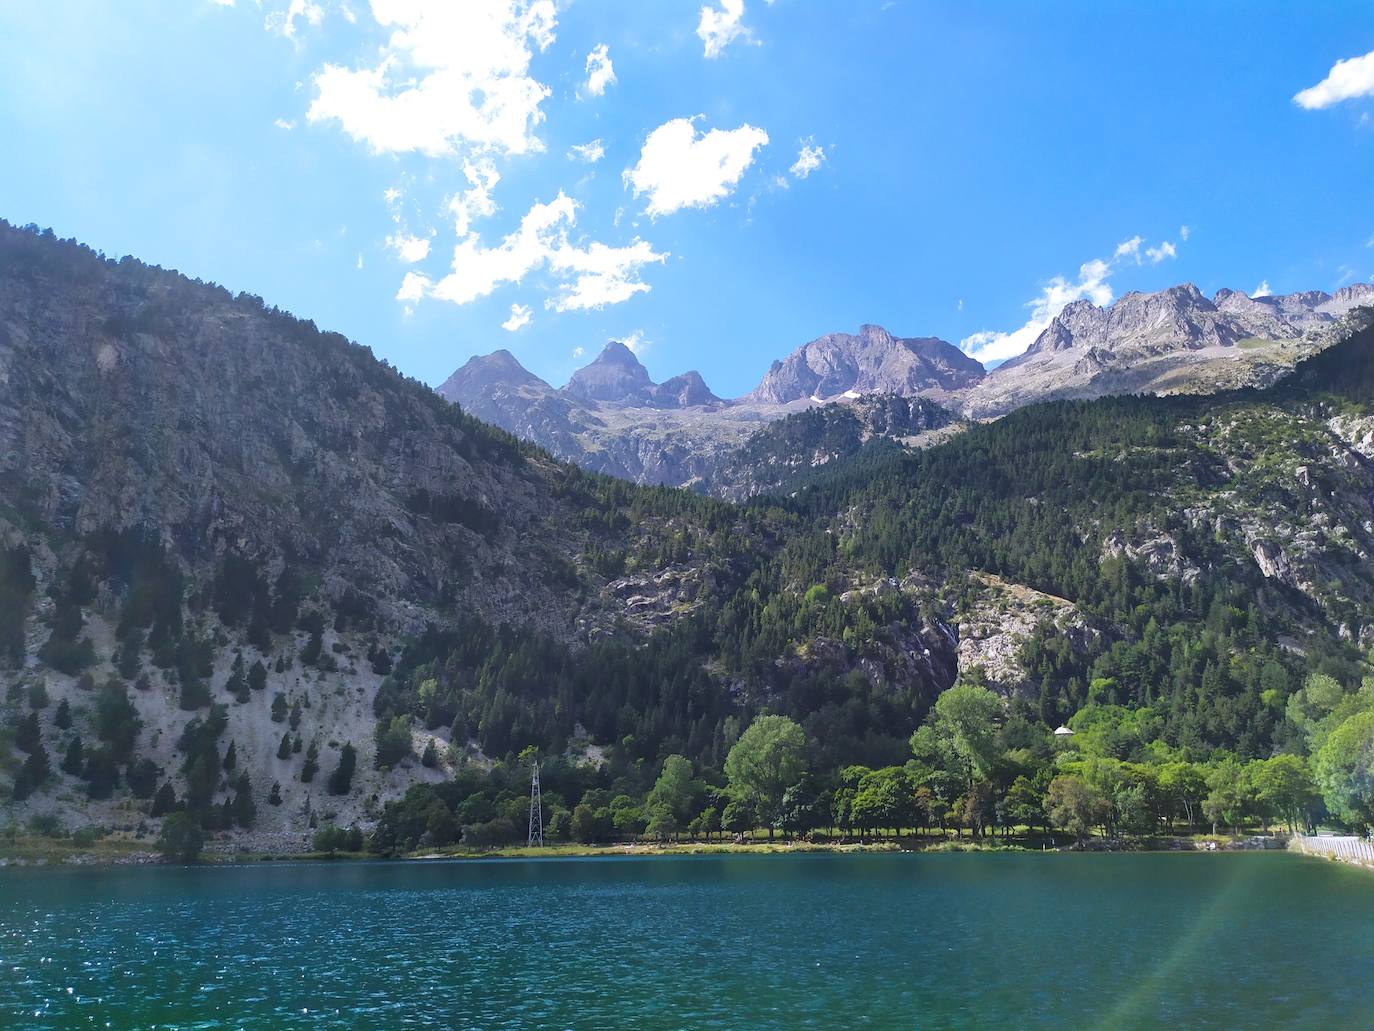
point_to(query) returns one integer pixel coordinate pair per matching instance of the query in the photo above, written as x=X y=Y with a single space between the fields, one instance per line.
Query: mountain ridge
x=249 y=571
x=612 y=418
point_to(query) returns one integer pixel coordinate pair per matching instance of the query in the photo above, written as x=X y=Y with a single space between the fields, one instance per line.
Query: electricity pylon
x=536 y=810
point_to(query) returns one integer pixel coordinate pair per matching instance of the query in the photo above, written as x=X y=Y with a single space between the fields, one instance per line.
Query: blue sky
x=404 y=171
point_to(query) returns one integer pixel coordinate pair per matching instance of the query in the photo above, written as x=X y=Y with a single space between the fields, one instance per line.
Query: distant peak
x=618 y=352
x=616 y=375
x=481 y=373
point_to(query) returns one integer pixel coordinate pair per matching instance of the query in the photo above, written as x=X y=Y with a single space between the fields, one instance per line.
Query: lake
x=881 y=941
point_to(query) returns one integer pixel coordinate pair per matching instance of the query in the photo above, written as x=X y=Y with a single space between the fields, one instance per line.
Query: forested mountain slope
x=250 y=571
x=1214 y=540
x=197 y=490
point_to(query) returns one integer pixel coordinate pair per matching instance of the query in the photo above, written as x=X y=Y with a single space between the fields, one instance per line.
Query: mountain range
x=610 y=417
x=237 y=552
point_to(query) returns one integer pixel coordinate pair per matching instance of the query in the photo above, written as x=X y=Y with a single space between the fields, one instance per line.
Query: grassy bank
x=34 y=849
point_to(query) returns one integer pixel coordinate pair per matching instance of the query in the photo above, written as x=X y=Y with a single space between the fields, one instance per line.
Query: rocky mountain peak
x=616 y=375
x=685 y=391
x=485 y=374
x=1351 y=296
x=871 y=361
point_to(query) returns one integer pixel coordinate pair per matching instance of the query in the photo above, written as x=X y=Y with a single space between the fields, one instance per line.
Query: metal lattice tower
x=536 y=810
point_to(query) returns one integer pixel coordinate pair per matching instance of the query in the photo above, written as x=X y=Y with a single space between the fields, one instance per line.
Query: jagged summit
x=616 y=376
x=1170 y=341
x=488 y=372
x=613 y=418
x=872 y=361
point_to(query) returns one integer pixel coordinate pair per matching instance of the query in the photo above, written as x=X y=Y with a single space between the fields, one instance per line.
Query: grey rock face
x=1172 y=341
x=871 y=361
x=612 y=418
x=131 y=398
x=616 y=375
x=686 y=391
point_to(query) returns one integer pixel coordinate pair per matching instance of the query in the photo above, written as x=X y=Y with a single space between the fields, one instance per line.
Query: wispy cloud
x=588 y=153
x=520 y=316
x=408 y=249
x=588 y=275
x=721 y=25
x=600 y=71
x=809 y=158
x=1092 y=283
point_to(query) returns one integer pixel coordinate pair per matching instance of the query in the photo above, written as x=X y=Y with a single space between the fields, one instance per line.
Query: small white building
x=1063 y=732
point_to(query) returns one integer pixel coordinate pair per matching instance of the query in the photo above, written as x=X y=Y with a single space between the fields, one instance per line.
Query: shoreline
x=31 y=853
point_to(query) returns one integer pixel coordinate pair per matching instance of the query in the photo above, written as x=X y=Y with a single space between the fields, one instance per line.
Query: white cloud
x=960 y=305
x=678 y=169
x=520 y=316
x=1130 y=248
x=1184 y=232
x=578 y=352
x=1262 y=290
x=1348 y=79
x=409 y=249
x=600 y=71
x=1054 y=297
x=1164 y=250
x=599 y=275
x=282 y=123
x=809 y=158
x=284 y=22
x=721 y=26
x=476 y=201
x=636 y=342
x=588 y=276
x=224 y=3
x=451 y=76
x=589 y=153
x=1091 y=284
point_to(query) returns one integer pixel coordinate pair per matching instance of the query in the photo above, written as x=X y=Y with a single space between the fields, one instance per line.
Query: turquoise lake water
x=877 y=941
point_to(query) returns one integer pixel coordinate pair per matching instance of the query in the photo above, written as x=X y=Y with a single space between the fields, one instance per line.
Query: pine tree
x=194 y=694
x=279 y=708
x=102 y=773
x=296 y=745
x=341 y=780
x=284 y=749
x=231 y=757
x=257 y=675
x=128 y=658
x=165 y=801
x=237 y=684
x=63 y=717
x=294 y=722
x=312 y=763
x=28 y=735
x=274 y=797
x=430 y=757
x=142 y=778
x=74 y=761
x=245 y=811
x=32 y=773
